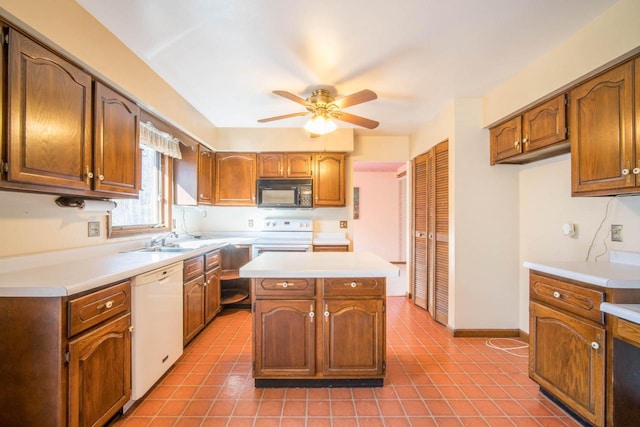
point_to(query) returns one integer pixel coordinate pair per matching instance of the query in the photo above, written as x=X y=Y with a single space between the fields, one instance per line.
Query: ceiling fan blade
x=355 y=98
x=286 y=116
x=292 y=97
x=356 y=120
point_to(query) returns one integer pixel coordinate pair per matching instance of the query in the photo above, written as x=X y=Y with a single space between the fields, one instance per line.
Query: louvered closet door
x=441 y=235
x=419 y=244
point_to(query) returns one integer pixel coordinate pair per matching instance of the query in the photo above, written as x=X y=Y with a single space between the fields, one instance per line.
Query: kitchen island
x=319 y=318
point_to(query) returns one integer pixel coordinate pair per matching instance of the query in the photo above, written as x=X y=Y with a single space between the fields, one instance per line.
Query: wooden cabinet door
x=206 y=166
x=567 y=356
x=100 y=373
x=353 y=337
x=185 y=177
x=212 y=294
x=329 y=180
x=117 y=156
x=193 y=308
x=299 y=165
x=271 y=165
x=505 y=139
x=235 y=179
x=284 y=340
x=601 y=133
x=48 y=119
x=544 y=125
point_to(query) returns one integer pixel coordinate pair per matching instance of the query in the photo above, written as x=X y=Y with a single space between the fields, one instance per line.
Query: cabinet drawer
x=285 y=287
x=573 y=298
x=193 y=267
x=370 y=286
x=211 y=260
x=89 y=310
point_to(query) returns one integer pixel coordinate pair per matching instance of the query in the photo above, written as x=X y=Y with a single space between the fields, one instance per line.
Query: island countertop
x=318 y=264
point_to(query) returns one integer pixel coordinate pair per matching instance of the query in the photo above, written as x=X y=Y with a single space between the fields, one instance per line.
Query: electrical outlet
x=250 y=223
x=616 y=233
x=94 y=229
x=343 y=224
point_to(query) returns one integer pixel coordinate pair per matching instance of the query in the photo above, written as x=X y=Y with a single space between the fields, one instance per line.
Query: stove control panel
x=288 y=224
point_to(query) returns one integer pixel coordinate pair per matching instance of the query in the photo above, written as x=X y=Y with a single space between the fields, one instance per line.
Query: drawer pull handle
x=352 y=284
x=285 y=284
x=595 y=345
x=556 y=294
x=106 y=305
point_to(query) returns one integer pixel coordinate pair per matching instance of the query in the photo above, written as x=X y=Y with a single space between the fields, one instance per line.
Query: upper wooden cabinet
x=206 y=168
x=536 y=134
x=48 y=118
x=117 y=156
x=604 y=155
x=329 y=180
x=284 y=165
x=235 y=179
x=49 y=146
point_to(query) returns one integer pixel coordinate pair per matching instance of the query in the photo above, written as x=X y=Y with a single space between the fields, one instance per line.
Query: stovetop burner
x=286 y=231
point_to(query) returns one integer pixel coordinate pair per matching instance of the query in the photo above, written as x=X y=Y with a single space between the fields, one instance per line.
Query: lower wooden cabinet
x=330 y=248
x=201 y=294
x=568 y=359
x=306 y=331
x=65 y=361
x=100 y=373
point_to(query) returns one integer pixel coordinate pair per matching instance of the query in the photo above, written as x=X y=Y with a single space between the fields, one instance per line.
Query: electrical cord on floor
x=509 y=350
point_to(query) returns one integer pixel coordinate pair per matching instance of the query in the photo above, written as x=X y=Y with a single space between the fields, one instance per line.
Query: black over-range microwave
x=285 y=193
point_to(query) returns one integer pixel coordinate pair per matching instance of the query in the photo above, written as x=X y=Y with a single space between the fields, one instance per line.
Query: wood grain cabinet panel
x=100 y=373
x=601 y=128
x=538 y=133
x=117 y=156
x=567 y=357
x=193 y=309
x=235 y=179
x=212 y=294
x=353 y=342
x=284 y=340
x=206 y=168
x=329 y=180
x=284 y=165
x=48 y=118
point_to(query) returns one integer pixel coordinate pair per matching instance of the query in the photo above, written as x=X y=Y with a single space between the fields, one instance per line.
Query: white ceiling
x=226 y=56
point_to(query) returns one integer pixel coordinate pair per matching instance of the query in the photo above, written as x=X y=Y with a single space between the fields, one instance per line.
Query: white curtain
x=160 y=141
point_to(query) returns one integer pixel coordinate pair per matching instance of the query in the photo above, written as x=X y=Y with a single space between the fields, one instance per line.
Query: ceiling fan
x=323 y=107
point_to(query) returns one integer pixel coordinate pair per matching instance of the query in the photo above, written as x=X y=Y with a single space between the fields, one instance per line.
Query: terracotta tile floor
x=432 y=380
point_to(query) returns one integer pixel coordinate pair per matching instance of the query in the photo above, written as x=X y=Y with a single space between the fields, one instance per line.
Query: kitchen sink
x=163 y=249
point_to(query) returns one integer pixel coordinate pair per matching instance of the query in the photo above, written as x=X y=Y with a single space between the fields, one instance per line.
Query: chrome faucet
x=162 y=239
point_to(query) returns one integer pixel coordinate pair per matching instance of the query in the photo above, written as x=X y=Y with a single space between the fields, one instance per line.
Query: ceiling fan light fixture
x=320 y=124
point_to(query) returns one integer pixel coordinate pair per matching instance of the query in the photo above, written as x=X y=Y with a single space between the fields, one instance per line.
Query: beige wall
x=282 y=139
x=544 y=192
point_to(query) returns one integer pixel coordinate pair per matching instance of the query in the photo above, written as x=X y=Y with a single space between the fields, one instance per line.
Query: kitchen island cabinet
x=319 y=318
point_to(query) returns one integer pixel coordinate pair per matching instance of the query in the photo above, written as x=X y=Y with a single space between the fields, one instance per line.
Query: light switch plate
x=94 y=229
x=343 y=224
x=616 y=233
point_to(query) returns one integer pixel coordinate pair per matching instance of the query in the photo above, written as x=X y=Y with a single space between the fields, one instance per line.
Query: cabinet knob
x=525 y=140
x=556 y=294
x=625 y=171
x=107 y=305
x=354 y=284
x=595 y=345
x=636 y=171
x=326 y=314
x=516 y=143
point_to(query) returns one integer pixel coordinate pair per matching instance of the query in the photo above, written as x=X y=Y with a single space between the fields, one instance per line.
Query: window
x=151 y=212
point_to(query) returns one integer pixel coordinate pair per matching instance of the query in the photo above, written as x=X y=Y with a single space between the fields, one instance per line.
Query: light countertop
x=318 y=264
x=621 y=271
x=68 y=272
x=630 y=312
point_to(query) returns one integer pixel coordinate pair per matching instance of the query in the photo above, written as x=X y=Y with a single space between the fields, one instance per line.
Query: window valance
x=162 y=142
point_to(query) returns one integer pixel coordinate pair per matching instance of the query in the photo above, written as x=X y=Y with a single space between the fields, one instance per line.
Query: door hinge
x=67 y=357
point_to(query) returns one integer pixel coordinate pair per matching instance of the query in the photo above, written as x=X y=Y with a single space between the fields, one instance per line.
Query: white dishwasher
x=156 y=316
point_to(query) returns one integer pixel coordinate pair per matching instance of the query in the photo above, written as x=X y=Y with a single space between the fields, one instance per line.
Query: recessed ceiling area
x=227 y=57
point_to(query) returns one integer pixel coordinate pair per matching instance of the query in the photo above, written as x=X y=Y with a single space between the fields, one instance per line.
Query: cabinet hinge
x=384 y=366
x=566 y=132
x=4 y=167
x=5 y=36
x=384 y=307
x=67 y=357
x=253 y=307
